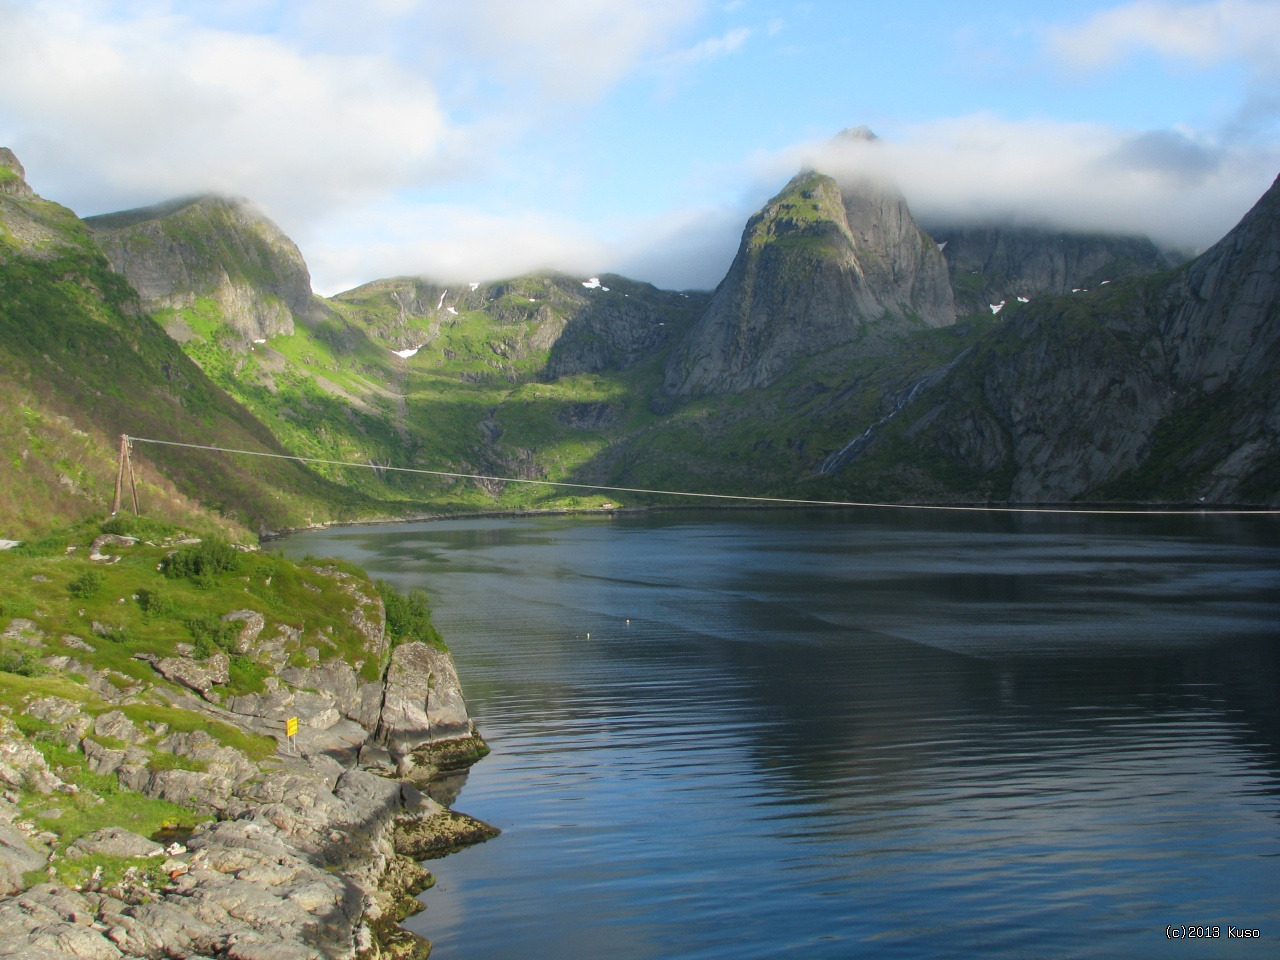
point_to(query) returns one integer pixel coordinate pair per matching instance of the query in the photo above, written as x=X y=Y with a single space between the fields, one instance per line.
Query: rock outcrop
x=309 y=854
x=213 y=247
x=308 y=861
x=422 y=703
x=13 y=178
x=823 y=265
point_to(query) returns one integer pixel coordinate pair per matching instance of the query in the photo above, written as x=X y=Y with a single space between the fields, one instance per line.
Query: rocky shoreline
x=307 y=852
x=313 y=861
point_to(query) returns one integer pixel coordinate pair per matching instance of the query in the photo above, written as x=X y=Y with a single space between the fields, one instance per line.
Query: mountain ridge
x=995 y=263
x=564 y=378
x=1162 y=387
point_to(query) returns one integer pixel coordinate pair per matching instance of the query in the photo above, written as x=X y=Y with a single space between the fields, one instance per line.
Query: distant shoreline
x=1118 y=510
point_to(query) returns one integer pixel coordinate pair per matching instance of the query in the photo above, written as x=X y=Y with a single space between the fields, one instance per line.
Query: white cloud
x=1171 y=185
x=156 y=105
x=331 y=120
x=343 y=126
x=458 y=244
x=710 y=49
x=573 y=49
x=1204 y=33
x=447 y=242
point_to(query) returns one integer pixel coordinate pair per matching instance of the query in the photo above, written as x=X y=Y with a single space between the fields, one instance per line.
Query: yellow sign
x=291 y=727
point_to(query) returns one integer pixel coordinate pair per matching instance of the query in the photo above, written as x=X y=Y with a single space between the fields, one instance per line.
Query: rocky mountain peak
x=860 y=134
x=13 y=179
x=822 y=265
x=9 y=159
x=210 y=246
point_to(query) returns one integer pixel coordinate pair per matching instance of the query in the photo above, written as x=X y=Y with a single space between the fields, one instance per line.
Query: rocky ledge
x=309 y=852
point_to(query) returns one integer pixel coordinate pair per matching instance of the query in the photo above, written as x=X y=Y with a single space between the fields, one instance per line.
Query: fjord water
x=840 y=734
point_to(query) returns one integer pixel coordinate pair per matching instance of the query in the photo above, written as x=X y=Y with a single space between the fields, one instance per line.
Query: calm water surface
x=834 y=735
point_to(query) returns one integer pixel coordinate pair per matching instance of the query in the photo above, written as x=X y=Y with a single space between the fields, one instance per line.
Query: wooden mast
x=125 y=463
x=133 y=484
x=124 y=452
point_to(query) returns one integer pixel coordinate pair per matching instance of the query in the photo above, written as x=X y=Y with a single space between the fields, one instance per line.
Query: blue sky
x=470 y=140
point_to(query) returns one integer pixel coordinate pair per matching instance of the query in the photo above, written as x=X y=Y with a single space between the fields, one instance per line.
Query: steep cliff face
x=1162 y=388
x=820 y=266
x=621 y=326
x=213 y=247
x=13 y=178
x=993 y=264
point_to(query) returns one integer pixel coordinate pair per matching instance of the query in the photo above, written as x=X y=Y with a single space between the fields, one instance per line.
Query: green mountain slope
x=81 y=364
x=826 y=366
x=531 y=377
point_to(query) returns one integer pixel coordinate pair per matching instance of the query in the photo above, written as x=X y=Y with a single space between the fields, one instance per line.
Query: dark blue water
x=833 y=735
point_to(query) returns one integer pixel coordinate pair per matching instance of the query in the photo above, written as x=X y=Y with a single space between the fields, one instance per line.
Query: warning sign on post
x=291 y=727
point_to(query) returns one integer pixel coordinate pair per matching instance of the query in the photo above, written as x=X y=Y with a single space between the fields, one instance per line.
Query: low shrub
x=201 y=562
x=247 y=675
x=156 y=605
x=211 y=635
x=408 y=616
x=86 y=585
x=21 y=664
x=119 y=635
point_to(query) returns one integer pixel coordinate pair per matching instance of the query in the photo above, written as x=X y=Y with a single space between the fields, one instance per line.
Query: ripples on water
x=835 y=736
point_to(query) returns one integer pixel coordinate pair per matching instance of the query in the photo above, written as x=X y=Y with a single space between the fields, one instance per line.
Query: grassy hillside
x=80 y=364
x=476 y=397
x=557 y=378
x=525 y=379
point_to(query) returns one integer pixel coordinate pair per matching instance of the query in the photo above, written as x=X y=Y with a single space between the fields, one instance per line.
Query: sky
x=477 y=139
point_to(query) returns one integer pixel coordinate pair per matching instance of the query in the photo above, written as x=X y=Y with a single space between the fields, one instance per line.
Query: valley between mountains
x=850 y=353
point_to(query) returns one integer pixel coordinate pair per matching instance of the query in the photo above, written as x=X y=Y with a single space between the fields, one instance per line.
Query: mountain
x=823 y=265
x=407 y=373
x=995 y=264
x=828 y=365
x=81 y=363
x=148 y=667
x=209 y=247
x=1158 y=388
x=557 y=323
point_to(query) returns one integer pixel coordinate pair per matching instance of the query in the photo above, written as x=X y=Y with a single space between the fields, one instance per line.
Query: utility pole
x=125 y=463
x=124 y=453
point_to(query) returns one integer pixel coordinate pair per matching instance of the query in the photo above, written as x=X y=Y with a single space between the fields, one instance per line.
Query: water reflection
x=825 y=735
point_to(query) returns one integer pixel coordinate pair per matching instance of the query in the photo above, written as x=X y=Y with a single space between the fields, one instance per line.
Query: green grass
x=85 y=368
x=102 y=871
x=149 y=613
x=99 y=803
x=143 y=611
